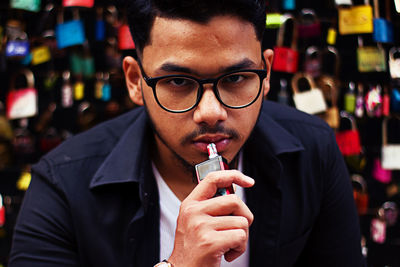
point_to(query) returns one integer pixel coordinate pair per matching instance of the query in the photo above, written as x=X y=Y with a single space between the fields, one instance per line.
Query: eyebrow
x=172 y=67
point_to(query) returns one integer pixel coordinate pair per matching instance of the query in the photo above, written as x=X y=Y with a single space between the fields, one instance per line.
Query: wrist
x=164 y=263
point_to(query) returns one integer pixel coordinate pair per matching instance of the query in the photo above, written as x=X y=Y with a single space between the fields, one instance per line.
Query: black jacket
x=93 y=201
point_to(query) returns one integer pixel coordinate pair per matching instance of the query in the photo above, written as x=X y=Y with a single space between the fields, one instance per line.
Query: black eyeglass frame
x=152 y=81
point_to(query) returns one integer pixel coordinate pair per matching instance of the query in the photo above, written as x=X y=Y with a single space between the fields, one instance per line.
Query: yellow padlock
x=40 y=54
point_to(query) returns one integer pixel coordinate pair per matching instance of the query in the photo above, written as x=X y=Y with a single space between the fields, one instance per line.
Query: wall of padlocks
x=60 y=74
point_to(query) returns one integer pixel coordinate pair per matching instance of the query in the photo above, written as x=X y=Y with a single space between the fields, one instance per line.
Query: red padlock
x=286 y=59
x=349 y=140
x=2 y=212
x=309 y=25
x=360 y=193
x=80 y=3
x=125 y=41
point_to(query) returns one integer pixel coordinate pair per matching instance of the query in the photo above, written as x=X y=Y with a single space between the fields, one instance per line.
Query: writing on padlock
x=22 y=102
x=311 y=101
x=390 y=153
x=370 y=58
x=286 y=58
x=355 y=19
x=348 y=140
x=17 y=40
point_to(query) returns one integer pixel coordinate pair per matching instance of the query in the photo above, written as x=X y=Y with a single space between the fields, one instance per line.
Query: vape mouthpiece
x=212 y=151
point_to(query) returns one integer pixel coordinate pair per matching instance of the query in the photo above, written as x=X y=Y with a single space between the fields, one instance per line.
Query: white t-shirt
x=169 y=210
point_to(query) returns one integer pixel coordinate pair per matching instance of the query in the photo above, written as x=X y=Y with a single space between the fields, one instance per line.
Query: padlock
x=98 y=85
x=379 y=173
x=370 y=58
x=22 y=102
x=348 y=140
x=330 y=91
x=390 y=213
x=78 y=3
x=24 y=143
x=343 y=2
x=311 y=101
x=378 y=228
x=29 y=5
x=313 y=61
x=273 y=20
x=360 y=194
x=113 y=56
x=17 y=45
x=390 y=151
x=331 y=36
x=100 y=30
x=309 y=25
x=2 y=212
x=283 y=94
x=394 y=62
x=373 y=101
x=286 y=58
x=66 y=91
x=40 y=54
x=125 y=41
x=355 y=19
x=79 y=90
x=395 y=100
x=383 y=28
x=350 y=98
x=359 y=112
x=397 y=5
x=69 y=33
x=385 y=102
x=106 y=90
x=289 y=4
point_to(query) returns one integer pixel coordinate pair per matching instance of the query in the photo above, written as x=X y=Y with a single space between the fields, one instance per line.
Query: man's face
x=203 y=51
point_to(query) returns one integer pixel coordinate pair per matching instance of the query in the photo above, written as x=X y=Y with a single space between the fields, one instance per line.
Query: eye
x=235 y=78
x=178 y=81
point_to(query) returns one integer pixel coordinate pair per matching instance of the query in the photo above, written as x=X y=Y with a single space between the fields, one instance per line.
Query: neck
x=177 y=176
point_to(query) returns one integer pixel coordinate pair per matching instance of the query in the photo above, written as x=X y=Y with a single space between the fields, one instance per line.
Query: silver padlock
x=394 y=62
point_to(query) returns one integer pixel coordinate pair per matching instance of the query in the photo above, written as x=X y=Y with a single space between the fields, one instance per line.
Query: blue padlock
x=17 y=48
x=395 y=100
x=383 y=28
x=383 y=31
x=100 y=30
x=289 y=4
x=70 y=33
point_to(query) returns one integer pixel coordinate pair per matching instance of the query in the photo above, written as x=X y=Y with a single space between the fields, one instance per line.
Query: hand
x=209 y=228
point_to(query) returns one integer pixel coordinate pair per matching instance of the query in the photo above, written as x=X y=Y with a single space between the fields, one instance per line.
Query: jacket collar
x=129 y=159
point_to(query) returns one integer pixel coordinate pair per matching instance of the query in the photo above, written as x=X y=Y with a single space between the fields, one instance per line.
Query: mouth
x=220 y=141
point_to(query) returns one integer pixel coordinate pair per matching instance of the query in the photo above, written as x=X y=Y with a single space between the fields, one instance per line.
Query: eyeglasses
x=181 y=93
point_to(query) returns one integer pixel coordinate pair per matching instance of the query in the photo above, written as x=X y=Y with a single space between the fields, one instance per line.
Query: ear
x=269 y=56
x=132 y=79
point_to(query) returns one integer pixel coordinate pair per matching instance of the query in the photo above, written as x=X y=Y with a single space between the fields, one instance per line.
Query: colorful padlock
x=394 y=62
x=71 y=32
x=78 y=3
x=348 y=140
x=29 y=5
x=383 y=28
x=370 y=58
x=360 y=194
x=390 y=151
x=310 y=101
x=355 y=19
x=309 y=25
x=286 y=58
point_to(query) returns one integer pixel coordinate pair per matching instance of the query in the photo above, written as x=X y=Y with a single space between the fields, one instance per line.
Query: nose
x=209 y=110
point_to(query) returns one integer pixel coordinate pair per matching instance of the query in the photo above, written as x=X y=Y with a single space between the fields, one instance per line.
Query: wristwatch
x=164 y=263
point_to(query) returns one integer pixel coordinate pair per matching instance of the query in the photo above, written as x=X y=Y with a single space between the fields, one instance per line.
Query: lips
x=220 y=141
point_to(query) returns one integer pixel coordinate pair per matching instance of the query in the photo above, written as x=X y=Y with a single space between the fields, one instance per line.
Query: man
x=124 y=193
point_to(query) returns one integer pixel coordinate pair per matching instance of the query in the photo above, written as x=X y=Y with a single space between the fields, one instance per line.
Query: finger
x=219 y=179
x=232 y=242
x=223 y=223
x=227 y=205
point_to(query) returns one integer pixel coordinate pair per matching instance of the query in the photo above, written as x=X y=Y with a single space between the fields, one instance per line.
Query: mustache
x=205 y=129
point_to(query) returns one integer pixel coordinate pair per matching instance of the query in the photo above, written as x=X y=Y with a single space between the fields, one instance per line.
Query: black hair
x=142 y=13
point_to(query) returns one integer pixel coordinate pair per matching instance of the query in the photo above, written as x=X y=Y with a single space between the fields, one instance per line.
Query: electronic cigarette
x=214 y=163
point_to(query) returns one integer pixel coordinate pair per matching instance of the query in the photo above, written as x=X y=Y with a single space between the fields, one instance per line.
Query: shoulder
x=86 y=151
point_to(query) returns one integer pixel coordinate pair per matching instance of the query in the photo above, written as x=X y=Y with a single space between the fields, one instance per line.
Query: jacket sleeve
x=335 y=239
x=43 y=233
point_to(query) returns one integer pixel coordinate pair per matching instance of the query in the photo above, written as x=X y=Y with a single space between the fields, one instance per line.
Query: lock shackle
x=297 y=77
x=111 y=15
x=29 y=77
x=60 y=16
x=393 y=51
x=356 y=178
x=281 y=32
x=330 y=82
x=345 y=115
x=311 y=50
x=332 y=50
x=384 y=128
x=308 y=13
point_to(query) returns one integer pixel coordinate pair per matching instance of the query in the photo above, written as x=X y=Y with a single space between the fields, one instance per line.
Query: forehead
x=222 y=39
